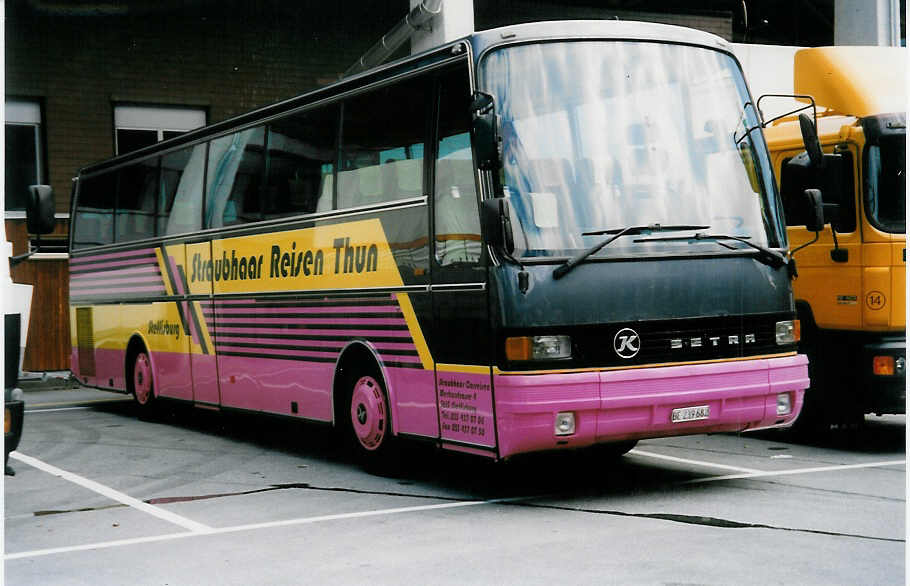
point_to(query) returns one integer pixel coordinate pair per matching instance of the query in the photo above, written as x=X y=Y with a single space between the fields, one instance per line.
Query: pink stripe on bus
x=111 y=282
x=366 y=333
x=123 y=263
x=399 y=358
x=365 y=322
x=112 y=255
x=273 y=351
x=330 y=344
x=139 y=270
x=119 y=291
x=231 y=340
x=305 y=309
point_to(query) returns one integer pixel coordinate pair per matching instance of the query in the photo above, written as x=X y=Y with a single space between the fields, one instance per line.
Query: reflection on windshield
x=612 y=134
x=886 y=184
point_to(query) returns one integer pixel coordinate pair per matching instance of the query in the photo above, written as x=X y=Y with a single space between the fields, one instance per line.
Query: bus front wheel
x=369 y=422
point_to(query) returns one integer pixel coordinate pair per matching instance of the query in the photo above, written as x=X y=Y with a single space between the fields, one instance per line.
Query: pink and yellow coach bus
x=539 y=237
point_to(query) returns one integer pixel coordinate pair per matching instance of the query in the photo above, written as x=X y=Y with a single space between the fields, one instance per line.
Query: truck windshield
x=886 y=183
x=603 y=134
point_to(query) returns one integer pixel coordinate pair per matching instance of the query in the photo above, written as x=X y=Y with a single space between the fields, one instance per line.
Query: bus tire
x=141 y=383
x=614 y=450
x=369 y=423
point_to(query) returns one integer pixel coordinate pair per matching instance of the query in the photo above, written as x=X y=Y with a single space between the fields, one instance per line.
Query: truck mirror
x=810 y=139
x=815 y=216
x=39 y=209
x=496 y=224
x=485 y=132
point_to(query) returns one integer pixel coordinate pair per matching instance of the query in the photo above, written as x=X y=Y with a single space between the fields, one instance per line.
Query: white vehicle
x=17 y=301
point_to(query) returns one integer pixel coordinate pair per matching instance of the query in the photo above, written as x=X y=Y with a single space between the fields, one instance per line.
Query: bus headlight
x=538 y=347
x=787 y=332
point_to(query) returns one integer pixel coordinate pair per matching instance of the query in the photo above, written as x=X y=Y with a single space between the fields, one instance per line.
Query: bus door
x=200 y=313
x=183 y=266
x=461 y=344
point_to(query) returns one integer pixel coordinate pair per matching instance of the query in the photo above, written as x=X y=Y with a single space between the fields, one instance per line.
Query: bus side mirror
x=496 y=224
x=39 y=209
x=815 y=216
x=485 y=132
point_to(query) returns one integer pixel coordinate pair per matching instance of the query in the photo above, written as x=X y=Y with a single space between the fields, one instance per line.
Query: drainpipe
x=400 y=33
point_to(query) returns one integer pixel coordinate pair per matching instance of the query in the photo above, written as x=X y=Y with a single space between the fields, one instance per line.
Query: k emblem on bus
x=626 y=343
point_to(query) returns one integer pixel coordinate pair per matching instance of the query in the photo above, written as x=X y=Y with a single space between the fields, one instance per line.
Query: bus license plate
x=690 y=413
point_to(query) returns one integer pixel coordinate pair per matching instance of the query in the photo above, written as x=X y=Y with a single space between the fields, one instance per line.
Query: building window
x=23 y=151
x=142 y=126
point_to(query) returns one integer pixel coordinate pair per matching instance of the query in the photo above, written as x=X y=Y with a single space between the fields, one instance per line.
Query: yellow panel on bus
x=340 y=256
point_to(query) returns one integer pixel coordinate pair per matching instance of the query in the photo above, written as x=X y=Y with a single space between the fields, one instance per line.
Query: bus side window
x=383 y=144
x=235 y=171
x=457 y=218
x=180 y=196
x=301 y=162
x=94 y=224
x=136 y=191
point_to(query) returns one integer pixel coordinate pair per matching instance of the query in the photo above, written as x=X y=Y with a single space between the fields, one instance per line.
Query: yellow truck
x=850 y=290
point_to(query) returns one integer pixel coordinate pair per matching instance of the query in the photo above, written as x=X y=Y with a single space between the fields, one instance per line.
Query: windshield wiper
x=615 y=233
x=767 y=256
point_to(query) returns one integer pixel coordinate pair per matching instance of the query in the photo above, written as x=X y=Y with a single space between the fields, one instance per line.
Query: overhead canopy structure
x=858 y=81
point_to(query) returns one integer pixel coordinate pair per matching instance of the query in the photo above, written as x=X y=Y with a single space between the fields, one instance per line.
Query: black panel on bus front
x=680 y=310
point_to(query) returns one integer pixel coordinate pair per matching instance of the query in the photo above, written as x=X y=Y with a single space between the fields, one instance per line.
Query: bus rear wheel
x=142 y=383
x=369 y=422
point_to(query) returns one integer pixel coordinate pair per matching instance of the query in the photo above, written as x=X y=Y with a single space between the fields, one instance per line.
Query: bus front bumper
x=550 y=411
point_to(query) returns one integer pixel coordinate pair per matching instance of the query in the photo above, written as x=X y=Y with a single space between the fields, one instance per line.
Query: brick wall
x=229 y=59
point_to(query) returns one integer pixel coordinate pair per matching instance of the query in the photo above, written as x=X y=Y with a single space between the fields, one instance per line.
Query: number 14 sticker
x=875 y=300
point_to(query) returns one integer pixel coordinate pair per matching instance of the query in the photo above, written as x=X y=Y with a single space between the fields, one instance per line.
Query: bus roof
x=595 y=29
x=857 y=81
x=480 y=41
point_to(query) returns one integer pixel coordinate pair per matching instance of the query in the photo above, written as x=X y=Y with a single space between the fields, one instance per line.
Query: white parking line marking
x=255 y=526
x=113 y=494
x=701 y=463
x=81 y=403
x=99 y=545
x=58 y=409
x=798 y=471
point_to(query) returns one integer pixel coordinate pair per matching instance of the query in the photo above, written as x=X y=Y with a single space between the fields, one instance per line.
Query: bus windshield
x=886 y=183
x=603 y=135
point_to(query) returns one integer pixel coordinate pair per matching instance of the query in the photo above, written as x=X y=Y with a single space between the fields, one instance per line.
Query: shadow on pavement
x=569 y=473
x=876 y=435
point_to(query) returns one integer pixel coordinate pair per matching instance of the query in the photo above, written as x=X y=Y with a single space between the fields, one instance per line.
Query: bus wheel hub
x=368 y=413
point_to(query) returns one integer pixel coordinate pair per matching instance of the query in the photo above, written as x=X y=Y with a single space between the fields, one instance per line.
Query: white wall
x=769 y=70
